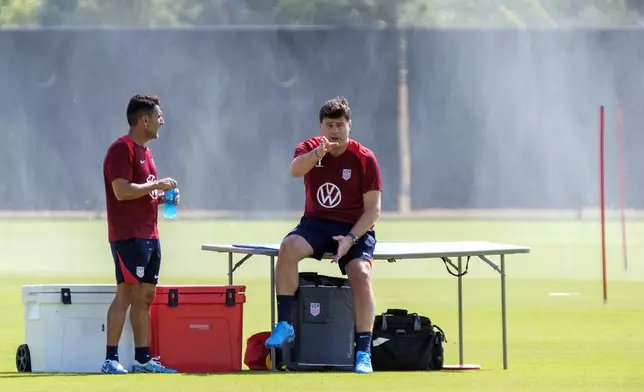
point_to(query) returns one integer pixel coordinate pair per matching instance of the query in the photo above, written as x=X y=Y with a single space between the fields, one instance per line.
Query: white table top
x=393 y=250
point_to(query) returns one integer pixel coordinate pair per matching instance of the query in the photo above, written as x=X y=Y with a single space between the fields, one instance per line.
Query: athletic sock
x=112 y=353
x=142 y=354
x=363 y=341
x=284 y=307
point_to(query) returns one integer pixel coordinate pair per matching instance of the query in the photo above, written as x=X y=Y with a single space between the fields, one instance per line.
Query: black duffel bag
x=406 y=341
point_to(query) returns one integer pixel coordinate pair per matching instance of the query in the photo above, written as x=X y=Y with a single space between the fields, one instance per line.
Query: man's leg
x=140 y=319
x=300 y=243
x=140 y=311
x=364 y=302
x=117 y=311
x=359 y=271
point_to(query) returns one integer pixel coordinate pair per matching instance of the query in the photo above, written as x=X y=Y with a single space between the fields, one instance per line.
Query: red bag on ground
x=257 y=355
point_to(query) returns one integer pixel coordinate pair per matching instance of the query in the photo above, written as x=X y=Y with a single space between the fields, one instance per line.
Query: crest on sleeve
x=346 y=174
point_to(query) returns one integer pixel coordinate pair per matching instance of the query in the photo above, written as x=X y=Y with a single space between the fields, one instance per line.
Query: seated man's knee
x=359 y=272
x=293 y=249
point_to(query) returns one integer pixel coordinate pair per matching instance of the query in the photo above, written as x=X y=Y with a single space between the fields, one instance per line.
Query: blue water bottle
x=169 y=208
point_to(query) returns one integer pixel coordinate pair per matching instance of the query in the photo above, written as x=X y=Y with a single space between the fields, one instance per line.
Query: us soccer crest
x=314 y=309
x=140 y=271
x=346 y=174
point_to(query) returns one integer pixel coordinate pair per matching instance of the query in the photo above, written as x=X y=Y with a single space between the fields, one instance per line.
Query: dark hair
x=140 y=105
x=336 y=108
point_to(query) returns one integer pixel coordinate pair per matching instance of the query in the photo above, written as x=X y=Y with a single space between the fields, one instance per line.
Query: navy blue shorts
x=137 y=260
x=319 y=234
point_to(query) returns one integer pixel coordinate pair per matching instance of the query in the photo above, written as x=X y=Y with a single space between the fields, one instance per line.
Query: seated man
x=342 y=185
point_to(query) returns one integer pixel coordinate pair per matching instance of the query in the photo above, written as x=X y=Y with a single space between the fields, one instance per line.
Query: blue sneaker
x=282 y=333
x=153 y=366
x=112 y=367
x=363 y=363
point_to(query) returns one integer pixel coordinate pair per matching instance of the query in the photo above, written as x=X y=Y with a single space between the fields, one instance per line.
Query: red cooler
x=198 y=329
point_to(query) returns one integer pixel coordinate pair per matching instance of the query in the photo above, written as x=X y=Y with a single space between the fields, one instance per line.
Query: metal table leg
x=230 y=268
x=273 y=356
x=501 y=272
x=460 y=312
x=503 y=316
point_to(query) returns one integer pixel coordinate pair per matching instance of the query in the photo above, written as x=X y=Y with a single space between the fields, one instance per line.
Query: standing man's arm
x=119 y=170
x=125 y=190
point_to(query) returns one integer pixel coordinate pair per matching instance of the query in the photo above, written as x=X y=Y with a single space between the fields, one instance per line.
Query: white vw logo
x=329 y=195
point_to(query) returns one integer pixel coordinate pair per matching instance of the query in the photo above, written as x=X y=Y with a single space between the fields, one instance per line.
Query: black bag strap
x=417 y=324
x=442 y=333
x=383 y=325
x=315 y=279
x=397 y=312
x=467 y=266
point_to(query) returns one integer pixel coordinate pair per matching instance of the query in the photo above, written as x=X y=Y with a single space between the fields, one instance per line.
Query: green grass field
x=556 y=343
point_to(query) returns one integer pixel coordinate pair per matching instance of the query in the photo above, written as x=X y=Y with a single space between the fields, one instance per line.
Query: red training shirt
x=334 y=191
x=130 y=218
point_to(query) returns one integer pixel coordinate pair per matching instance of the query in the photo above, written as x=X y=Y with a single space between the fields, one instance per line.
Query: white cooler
x=65 y=327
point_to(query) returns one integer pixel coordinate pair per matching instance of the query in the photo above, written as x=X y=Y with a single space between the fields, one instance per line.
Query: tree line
x=422 y=13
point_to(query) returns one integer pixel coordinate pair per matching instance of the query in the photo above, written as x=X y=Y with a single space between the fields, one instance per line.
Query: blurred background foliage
x=417 y=13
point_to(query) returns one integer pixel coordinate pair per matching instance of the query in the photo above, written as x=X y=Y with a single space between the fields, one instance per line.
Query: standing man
x=132 y=194
x=342 y=185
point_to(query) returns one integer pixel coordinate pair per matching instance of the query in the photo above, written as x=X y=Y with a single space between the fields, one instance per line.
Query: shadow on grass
x=39 y=375
x=243 y=373
x=23 y=375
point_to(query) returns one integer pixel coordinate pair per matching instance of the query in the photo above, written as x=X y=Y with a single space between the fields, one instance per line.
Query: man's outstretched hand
x=344 y=244
x=324 y=147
